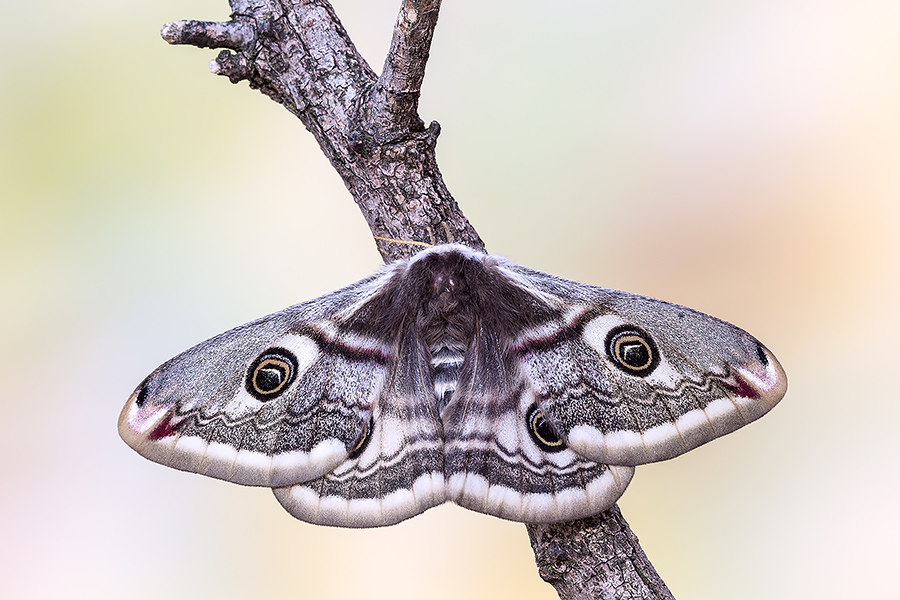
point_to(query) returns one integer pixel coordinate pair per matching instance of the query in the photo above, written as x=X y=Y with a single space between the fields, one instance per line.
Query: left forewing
x=277 y=401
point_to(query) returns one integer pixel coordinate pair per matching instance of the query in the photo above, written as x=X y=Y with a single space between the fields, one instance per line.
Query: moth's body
x=451 y=294
x=446 y=316
x=457 y=376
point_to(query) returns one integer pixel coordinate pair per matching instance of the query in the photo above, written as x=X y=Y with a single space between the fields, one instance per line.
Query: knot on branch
x=432 y=133
x=231 y=65
x=394 y=144
x=235 y=35
x=356 y=142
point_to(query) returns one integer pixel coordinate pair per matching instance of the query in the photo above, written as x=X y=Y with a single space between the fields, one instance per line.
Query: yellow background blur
x=740 y=156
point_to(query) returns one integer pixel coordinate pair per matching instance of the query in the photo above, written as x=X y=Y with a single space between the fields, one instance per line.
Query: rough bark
x=297 y=53
x=595 y=558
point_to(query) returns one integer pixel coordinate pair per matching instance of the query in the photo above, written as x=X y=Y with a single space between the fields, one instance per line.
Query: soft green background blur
x=738 y=156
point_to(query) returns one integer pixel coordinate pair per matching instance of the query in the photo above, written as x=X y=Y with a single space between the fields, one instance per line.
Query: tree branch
x=396 y=99
x=209 y=34
x=297 y=53
x=598 y=558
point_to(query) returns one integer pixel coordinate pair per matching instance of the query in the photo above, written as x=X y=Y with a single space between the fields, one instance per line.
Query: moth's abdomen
x=446 y=362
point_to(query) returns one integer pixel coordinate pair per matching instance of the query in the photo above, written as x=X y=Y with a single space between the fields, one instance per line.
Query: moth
x=454 y=375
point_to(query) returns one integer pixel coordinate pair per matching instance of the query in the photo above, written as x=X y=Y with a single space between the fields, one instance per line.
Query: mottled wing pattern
x=501 y=461
x=629 y=380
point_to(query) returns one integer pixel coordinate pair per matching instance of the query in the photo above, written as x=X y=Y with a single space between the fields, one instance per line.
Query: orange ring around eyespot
x=277 y=360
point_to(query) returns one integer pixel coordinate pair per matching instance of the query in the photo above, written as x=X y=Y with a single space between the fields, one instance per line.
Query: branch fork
x=368 y=126
x=298 y=53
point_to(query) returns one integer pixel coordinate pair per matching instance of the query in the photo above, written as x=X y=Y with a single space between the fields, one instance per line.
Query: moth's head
x=443 y=270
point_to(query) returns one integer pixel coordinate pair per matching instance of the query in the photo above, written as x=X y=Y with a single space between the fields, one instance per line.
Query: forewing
x=628 y=380
x=274 y=402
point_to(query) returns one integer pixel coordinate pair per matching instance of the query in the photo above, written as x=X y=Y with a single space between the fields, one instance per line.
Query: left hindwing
x=627 y=380
x=396 y=469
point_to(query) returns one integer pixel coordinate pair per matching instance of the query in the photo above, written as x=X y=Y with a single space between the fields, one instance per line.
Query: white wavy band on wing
x=306 y=504
x=665 y=441
x=762 y=389
x=246 y=467
x=475 y=493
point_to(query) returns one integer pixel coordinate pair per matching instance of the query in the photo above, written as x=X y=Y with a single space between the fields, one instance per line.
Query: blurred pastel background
x=741 y=157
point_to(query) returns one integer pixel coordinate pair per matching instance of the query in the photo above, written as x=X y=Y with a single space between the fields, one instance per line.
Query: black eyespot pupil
x=634 y=354
x=543 y=429
x=632 y=350
x=269 y=378
x=542 y=432
x=363 y=441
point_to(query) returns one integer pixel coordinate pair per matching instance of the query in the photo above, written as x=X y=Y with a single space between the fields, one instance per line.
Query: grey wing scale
x=630 y=380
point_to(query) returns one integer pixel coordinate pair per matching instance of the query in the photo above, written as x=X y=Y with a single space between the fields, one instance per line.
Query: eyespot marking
x=632 y=350
x=271 y=373
x=542 y=431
